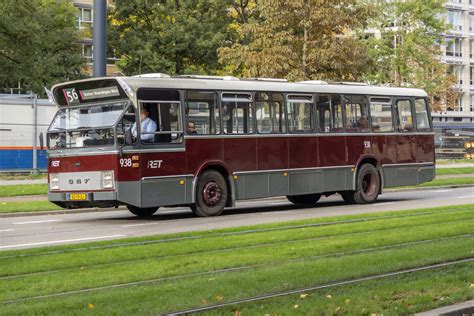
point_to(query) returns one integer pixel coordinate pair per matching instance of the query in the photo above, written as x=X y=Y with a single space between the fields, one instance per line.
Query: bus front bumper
x=94 y=199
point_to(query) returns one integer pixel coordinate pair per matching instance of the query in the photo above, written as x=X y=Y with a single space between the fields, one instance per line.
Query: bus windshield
x=85 y=126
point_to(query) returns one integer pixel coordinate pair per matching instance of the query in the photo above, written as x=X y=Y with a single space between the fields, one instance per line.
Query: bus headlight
x=108 y=179
x=54 y=181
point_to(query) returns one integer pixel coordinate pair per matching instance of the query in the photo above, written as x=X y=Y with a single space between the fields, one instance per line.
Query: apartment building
x=459 y=51
x=84 y=13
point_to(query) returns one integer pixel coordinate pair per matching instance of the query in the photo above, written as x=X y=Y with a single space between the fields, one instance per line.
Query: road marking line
x=465 y=197
x=137 y=225
x=443 y=191
x=6 y=230
x=60 y=241
x=382 y=203
x=38 y=222
x=279 y=203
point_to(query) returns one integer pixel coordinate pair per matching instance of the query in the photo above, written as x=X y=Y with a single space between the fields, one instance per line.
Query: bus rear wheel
x=142 y=211
x=211 y=194
x=306 y=199
x=368 y=186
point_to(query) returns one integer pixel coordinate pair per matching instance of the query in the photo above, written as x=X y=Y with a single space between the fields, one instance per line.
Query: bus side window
x=405 y=118
x=381 y=115
x=237 y=113
x=323 y=106
x=164 y=116
x=422 y=119
x=126 y=125
x=269 y=113
x=202 y=109
x=300 y=113
x=357 y=119
x=336 y=113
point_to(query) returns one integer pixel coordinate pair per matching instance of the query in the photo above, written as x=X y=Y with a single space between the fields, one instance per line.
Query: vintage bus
x=206 y=142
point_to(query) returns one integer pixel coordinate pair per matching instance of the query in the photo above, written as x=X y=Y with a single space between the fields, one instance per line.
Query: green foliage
x=301 y=40
x=174 y=37
x=37 y=44
x=408 y=50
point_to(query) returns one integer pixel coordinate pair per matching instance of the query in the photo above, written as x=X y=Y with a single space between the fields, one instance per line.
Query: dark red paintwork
x=263 y=153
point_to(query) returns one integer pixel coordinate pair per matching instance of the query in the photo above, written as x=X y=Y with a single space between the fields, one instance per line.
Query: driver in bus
x=148 y=127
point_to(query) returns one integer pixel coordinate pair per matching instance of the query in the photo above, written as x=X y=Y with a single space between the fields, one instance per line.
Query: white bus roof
x=264 y=85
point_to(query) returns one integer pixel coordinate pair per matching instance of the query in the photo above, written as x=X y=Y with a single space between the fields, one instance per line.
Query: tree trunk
x=305 y=51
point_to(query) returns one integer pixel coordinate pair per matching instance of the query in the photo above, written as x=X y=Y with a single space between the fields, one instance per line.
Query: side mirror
x=41 y=141
x=128 y=137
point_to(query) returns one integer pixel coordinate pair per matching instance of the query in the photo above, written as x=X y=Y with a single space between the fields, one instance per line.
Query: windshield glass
x=104 y=115
x=85 y=126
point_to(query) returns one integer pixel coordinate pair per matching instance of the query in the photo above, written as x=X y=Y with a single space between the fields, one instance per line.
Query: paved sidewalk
x=23 y=198
x=16 y=182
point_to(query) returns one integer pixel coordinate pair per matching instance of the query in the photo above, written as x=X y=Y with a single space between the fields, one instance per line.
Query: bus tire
x=211 y=194
x=306 y=199
x=368 y=186
x=142 y=211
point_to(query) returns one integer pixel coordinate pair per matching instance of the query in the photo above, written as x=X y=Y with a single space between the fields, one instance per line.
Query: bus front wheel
x=368 y=186
x=211 y=194
x=306 y=199
x=142 y=211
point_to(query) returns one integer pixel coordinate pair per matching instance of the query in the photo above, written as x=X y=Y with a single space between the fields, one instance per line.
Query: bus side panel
x=272 y=154
x=333 y=158
x=200 y=151
x=240 y=154
x=165 y=180
x=385 y=151
x=303 y=153
x=425 y=153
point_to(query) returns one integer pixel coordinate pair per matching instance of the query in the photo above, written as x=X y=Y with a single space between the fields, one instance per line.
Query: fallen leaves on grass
x=90 y=306
x=303 y=296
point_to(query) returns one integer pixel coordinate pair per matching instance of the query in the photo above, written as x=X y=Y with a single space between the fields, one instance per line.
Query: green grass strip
x=27 y=206
x=195 y=291
x=211 y=243
x=445 y=171
x=124 y=272
x=23 y=189
x=400 y=295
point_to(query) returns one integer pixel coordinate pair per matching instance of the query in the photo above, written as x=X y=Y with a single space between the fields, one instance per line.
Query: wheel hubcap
x=211 y=193
x=368 y=184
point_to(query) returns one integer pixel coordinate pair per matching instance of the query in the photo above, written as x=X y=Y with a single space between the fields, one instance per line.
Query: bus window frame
x=281 y=125
x=348 y=97
x=313 y=129
x=392 y=112
x=428 y=113
x=251 y=101
x=397 y=122
x=217 y=93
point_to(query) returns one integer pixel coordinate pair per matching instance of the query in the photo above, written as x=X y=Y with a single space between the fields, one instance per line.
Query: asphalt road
x=48 y=230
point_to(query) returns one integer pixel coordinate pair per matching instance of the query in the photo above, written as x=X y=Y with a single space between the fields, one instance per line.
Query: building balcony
x=453 y=60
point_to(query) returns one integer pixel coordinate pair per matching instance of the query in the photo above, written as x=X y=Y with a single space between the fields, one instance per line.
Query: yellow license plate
x=77 y=196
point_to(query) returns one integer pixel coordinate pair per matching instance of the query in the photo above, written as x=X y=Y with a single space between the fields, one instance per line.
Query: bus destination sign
x=73 y=97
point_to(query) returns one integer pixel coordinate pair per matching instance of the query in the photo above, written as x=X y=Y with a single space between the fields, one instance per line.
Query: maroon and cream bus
x=252 y=138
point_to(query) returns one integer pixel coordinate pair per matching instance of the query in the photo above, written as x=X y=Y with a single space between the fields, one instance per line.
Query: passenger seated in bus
x=363 y=123
x=148 y=127
x=191 y=128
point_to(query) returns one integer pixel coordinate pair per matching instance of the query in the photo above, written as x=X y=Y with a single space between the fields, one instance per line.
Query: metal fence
x=23 y=123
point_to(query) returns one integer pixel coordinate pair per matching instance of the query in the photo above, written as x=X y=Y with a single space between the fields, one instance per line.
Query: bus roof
x=268 y=85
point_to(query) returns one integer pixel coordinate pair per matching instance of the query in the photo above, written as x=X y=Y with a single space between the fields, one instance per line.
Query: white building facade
x=459 y=51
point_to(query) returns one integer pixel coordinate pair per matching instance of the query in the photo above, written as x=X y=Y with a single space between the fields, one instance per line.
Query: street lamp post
x=99 y=54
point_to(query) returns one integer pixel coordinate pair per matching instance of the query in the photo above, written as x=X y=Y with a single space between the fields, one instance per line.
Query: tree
x=301 y=39
x=408 y=50
x=37 y=44
x=170 y=36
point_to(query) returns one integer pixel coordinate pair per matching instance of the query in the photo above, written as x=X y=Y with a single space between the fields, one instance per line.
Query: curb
x=456 y=186
x=464 y=308
x=121 y=208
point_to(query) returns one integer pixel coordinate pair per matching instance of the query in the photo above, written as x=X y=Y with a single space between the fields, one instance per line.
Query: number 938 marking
x=125 y=162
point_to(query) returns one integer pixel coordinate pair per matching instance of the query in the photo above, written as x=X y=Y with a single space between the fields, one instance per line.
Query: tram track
x=231 y=249
x=241 y=268
x=346 y=282
x=231 y=233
